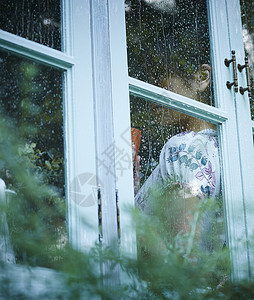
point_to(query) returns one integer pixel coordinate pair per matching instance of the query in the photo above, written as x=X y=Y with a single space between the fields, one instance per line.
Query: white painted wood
x=80 y=134
x=177 y=102
x=244 y=126
x=16 y=44
x=230 y=157
x=104 y=132
x=122 y=137
x=104 y=117
x=66 y=27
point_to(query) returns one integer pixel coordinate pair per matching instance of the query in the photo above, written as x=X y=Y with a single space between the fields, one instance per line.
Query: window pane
x=179 y=159
x=168 y=45
x=247 y=8
x=36 y=20
x=31 y=100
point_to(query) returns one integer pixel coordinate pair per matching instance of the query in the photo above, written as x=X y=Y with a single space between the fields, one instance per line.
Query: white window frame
x=244 y=129
x=79 y=130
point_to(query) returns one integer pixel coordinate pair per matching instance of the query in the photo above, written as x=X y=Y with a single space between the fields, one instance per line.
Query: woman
x=188 y=162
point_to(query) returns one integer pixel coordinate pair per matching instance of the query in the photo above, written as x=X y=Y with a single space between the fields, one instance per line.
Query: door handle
x=99 y=214
x=240 y=68
x=118 y=217
x=227 y=63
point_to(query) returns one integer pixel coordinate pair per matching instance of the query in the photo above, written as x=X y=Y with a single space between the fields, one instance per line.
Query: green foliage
x=31 y=159
x=171 y=263
x=47 y=166
x=36 y=212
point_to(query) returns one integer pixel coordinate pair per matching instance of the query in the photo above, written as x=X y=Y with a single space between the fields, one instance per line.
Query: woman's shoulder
x=189 y=141
x=191 y=135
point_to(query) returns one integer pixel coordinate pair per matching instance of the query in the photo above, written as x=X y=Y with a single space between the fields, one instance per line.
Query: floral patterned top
x=190 y=159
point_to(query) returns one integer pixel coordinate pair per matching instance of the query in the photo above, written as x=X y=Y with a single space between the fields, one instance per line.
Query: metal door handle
x=99 y=214
x=118 y=217
x=240 y=68
x=227 y=63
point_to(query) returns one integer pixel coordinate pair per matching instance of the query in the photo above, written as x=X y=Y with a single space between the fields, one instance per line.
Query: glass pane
x=36 y=20
x=168 y=46
x=178 y=158
x=31 y=102
x=247 y=8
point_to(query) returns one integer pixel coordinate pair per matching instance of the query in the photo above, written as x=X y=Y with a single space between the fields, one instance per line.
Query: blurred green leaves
x=171 y=263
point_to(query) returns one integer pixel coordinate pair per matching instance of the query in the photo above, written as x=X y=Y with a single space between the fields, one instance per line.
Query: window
x=230 y=108
x=87 y=47
x=47 y=79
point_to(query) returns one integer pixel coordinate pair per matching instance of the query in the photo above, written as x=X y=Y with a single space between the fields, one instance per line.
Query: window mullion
x=122 y=132
x=80 y=134
x=176 y=101
x=36 y=51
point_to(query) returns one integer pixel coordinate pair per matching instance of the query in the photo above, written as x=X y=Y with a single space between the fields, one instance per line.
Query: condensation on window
x=247 y=10
x=168 y=46
x=39 y=21
x=31 y=101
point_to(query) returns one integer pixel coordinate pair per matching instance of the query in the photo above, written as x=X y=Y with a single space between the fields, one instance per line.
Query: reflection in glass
x=168 y=46
x=247 y=9
x=39 y=21
x=31 y=100
x=178 y=158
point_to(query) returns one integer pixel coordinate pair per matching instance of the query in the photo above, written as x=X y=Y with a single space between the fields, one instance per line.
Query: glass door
x=183 y=114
